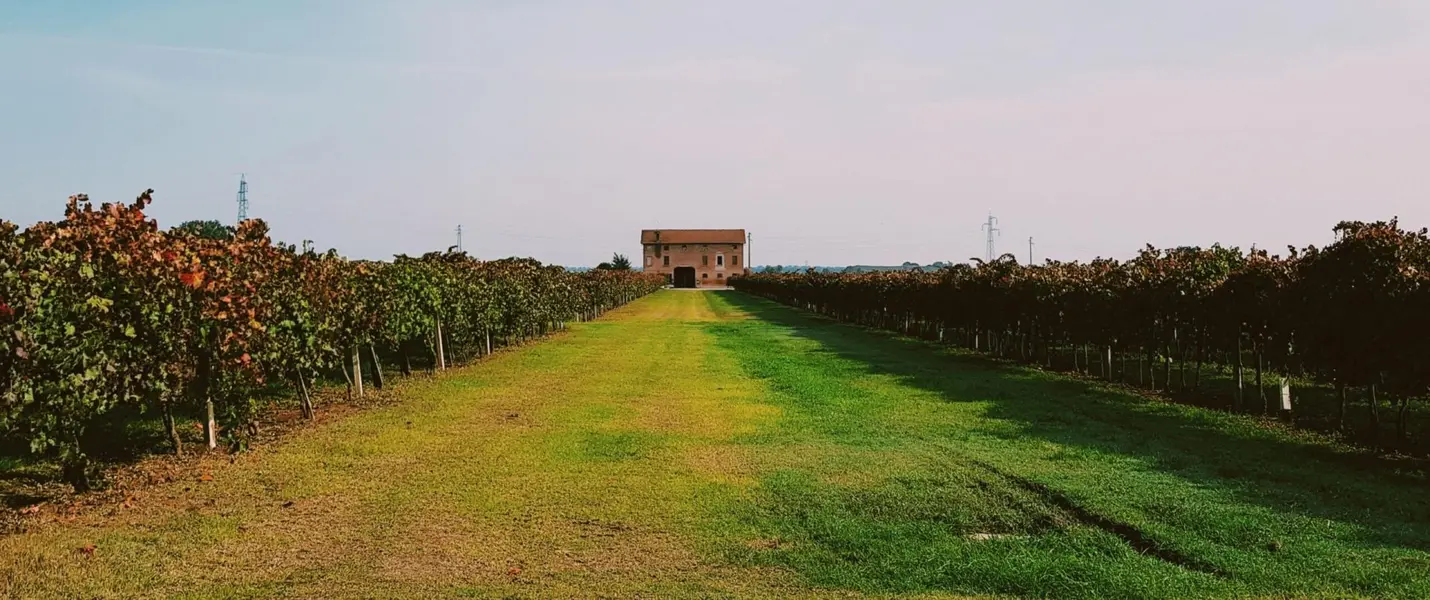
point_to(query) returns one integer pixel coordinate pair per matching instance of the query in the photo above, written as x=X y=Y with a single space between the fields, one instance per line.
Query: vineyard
x=1352 y=318
x=718 y=444
x=104 y=313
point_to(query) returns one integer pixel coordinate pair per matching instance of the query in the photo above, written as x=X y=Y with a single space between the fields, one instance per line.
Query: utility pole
x=242 y=199
x=750 y=251
x=459 y=238
x=992 y=228
x=1030 y=250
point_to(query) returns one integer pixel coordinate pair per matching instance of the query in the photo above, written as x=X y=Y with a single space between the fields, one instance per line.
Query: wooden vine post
x=305 y=400
x=210 y=425
x=357 y=370
x=377 y=379
x=1286 y=414
x=441 y=354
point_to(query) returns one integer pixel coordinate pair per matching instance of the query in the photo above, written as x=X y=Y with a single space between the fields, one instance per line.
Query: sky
x=835 y=131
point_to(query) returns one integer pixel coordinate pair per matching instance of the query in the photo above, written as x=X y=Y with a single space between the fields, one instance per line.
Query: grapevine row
x=103 y=310
x=1354 y=314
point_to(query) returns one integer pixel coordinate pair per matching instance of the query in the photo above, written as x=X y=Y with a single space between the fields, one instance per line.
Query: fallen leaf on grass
x=206 y=476
x=87 y=550
x=514 y=571
x=31 y=509
x=129 y=502
x=288 y=504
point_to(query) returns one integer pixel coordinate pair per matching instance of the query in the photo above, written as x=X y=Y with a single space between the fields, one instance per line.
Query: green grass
x=1235 y=507
x=710 y=444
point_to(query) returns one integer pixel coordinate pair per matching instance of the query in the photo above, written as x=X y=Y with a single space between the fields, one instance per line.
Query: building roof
x=693 y=236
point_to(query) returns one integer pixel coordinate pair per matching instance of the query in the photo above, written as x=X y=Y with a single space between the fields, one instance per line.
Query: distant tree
x=772 y=269
x=619 y=262
x=212 y=230
x=910 y=264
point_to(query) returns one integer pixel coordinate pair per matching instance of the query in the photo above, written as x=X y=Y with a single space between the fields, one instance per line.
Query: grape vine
x=104 y=310
x=1354 y=314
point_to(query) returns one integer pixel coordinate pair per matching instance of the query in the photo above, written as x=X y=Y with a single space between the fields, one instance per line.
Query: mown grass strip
x=698 y=445
x=1166 y=500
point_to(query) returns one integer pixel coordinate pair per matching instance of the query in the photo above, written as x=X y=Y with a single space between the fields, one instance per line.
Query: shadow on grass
x=128 y=434
x=120 y=438
x=1273 y=471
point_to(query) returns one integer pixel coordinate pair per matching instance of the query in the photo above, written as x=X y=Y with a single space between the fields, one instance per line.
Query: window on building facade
x=704 y=275
x=704 y=260
x=665 y=261
x=719 y=260
x=735 y=260
x=665 y=248
x=649 y=260
x=682 y=246
x=719 y=275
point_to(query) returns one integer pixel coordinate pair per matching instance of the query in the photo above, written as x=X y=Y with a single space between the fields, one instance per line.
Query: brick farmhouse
x=694 y=257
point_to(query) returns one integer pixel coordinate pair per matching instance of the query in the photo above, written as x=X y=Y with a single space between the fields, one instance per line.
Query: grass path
x=715 y=445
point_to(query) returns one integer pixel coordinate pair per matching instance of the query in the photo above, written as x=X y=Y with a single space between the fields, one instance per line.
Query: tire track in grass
x=1136 y=538
x=1246 y=510
x=862 y=487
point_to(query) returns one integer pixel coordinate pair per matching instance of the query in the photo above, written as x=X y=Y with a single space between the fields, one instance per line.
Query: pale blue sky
x=837 y=131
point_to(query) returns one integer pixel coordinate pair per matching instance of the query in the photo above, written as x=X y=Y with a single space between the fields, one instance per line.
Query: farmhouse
x=694 y=257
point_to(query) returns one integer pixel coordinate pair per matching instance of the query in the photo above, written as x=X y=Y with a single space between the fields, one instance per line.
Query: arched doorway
x=685 y=277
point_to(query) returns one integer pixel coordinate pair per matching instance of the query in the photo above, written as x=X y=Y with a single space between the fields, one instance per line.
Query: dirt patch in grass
x=722 y=463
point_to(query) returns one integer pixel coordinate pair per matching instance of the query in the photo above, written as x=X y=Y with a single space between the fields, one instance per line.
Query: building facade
x=694 y=257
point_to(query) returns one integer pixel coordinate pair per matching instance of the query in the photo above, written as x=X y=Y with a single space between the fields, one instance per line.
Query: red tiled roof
x=693 y=236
